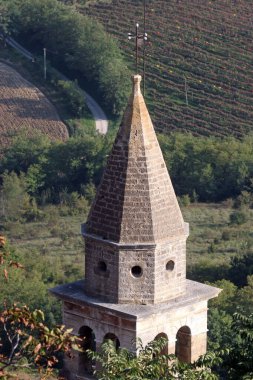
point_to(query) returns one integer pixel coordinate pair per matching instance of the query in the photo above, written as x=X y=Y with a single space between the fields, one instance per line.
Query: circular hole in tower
x=136 y=271
x=170 y=265
x=102 y=267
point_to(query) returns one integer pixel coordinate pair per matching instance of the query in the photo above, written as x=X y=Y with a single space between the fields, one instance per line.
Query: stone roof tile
x=136 y=188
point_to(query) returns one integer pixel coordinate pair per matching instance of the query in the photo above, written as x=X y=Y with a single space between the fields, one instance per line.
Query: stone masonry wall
x=127 y=328
x=143 y=274
x=101 y=270
x=136 y=276
x=170 y=270
x=193 y=316
x=101 y=322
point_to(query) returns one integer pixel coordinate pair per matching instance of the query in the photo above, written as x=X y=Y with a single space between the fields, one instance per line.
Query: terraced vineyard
x=199 y=52
x=23 y=106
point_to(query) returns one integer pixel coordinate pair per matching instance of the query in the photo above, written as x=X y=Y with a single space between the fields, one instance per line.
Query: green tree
x=52 y=168
x=80 y=45
x=24 y=152
x=241 y=267
x=77 y=162
x=219 y=329
x=220 y=315
x=4 y=19
x=73 y=97
x=245 y=297
x=122 y=364
x=13 y=196
x=25 y=338
x=25 y=335
x=238 y=357
x=213 y=168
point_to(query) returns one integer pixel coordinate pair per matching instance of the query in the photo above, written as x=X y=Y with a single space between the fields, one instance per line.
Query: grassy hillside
x=202 y=48
x=56 y=240
x=23 y=106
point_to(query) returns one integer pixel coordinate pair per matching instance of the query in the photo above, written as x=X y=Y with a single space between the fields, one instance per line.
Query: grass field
x=212 y=242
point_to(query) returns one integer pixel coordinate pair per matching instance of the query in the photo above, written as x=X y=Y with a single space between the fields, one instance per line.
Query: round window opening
x=170 y=265
x=136 y=271
x=102 y=266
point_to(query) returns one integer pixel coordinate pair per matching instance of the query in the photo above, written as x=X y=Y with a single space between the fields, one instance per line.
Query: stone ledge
x=135 y=246
x=140 y=246
x=195 y=292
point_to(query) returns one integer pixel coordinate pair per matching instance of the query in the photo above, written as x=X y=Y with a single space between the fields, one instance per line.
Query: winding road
x=98 y=114
x=101 y=121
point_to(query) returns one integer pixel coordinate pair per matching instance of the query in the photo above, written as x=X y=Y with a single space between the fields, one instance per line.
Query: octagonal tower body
x=135 y=233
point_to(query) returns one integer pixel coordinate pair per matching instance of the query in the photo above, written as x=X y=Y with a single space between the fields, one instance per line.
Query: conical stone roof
x=135 y=202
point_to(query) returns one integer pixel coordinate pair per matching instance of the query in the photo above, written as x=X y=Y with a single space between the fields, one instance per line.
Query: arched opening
x=165 y=349
x=113 y=338
x=183 y=344
x=86 y=365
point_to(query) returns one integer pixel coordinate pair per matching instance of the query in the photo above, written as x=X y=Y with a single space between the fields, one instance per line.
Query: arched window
x=113 y=338
x=86 y=365
x=183 y=344
x=165 y=349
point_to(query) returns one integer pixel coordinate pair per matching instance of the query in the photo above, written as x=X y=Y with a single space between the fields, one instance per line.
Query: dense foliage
x=16 y=276
x=77 y=45
x=54 y=169
x=150 y=364
x=204 y=169
x=232 y=362
x=25 y=339
x=209 y=169
x=198 y=60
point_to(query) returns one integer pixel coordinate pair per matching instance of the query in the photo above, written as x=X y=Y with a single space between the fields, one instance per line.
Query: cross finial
x=140 y=39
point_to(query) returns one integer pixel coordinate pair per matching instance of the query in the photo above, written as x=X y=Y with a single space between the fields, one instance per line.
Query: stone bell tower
x=135 y=254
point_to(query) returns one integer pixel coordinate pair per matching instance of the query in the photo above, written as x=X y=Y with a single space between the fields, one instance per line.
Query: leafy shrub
x=31 y=213
x=52 y=216
x=56 y=230
x=238 y=217
x=73 y=204
x=78 y=204
x=74 y=98
x=14 y=199
x=185 y=200
x=244 y=199
x=226 y=235
x=89 y=191
x=212 y=248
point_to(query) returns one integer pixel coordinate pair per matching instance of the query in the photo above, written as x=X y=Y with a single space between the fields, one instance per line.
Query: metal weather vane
x=140 y=39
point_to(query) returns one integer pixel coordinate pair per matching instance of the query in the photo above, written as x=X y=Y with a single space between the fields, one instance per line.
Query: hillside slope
x=198 y=48
x=23 y=106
